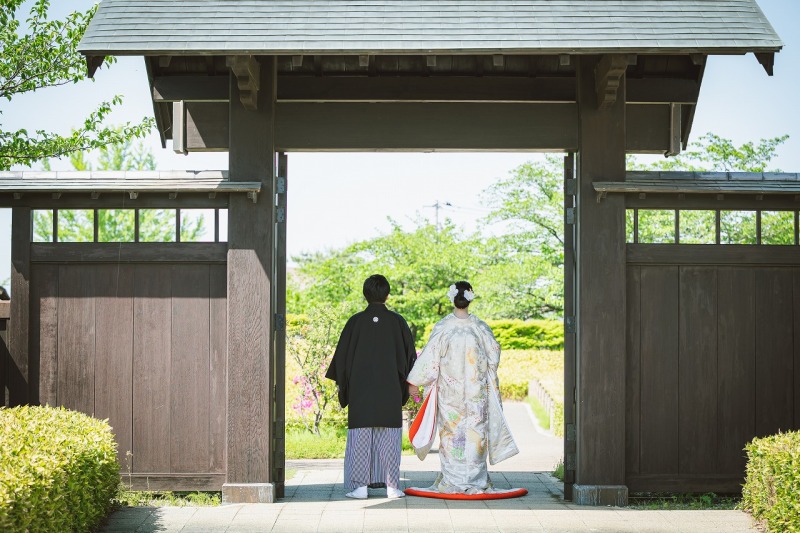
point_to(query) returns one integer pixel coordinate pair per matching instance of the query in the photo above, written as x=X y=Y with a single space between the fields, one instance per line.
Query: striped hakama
x=372 y=455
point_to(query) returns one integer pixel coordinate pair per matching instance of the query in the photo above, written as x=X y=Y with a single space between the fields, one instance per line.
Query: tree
x=525 y=271
x=115 y=225
x=45 y=55
x=420 y=265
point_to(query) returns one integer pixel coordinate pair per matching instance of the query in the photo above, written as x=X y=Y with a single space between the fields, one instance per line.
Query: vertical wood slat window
x=691 y=226
x=130 y=225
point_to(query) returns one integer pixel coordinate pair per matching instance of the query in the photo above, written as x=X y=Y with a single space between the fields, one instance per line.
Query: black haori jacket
x=370 y=366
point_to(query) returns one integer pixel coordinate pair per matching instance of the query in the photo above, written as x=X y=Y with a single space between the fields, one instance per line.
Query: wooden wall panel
x=152 y=319
x=218 y=355
x=633 y=370
x=736 y=360
x=16 y=368
x=774 y=350
x=796 y=314
x=44 y=331
x=76 y=334
x=697 y=401
x=659 y=370
x=189 y=370
x=114 y=288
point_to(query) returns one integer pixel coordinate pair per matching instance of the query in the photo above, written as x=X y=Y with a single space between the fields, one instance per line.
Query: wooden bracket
x=608 y=75
x=17 y=195
x=56 y=195
x=564 y=60
x=767 y=60
x=601 y=195
x=430 y=61
x=133 y=195
x=247 y=70
x=497 y=61
x=297 y=61
x=253 y=196
x=164 y=61
x=93 y=63
x=94 y=195
x=173 y=195
x=675 y=130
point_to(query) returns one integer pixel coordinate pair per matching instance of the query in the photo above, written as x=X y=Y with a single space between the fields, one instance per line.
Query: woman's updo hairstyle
x=461 y=294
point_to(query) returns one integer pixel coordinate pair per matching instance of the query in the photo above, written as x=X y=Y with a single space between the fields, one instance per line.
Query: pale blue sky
x=335 y=199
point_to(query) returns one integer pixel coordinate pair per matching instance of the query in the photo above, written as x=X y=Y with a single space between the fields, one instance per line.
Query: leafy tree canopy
x=43 y=53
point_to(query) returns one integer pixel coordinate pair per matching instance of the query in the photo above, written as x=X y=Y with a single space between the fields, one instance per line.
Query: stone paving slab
x=315 y=503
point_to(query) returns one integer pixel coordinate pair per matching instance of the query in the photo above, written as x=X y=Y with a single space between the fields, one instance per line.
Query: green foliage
x=46 y=55
x=524 y=267
x=528 y=334
x=419 y=265
x=558 y=473
x=673 y=502
x=513 y=390
x=523 y=334
x=713 y=153
x=329 y=444
x=539 y=412
x=772 y=483
x=310 y=343
x=141 y=498
x=58 y=470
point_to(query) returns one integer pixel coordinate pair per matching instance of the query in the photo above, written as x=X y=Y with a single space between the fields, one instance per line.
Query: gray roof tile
x=150 y=27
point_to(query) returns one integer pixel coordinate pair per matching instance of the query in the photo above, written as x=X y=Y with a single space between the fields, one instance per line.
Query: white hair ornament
x=453 y=292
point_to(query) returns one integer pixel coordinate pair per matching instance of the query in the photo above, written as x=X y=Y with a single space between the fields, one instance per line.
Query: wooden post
x=570 y=192
x=600 y=472
x=16 y=371
x=250 y=285
x=279 y=370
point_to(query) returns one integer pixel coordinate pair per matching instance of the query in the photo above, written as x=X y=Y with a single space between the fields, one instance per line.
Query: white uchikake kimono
x=462 y=356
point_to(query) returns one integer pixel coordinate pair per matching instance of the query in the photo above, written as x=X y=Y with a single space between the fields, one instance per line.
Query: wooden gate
x=713 y=340
x=143 y=345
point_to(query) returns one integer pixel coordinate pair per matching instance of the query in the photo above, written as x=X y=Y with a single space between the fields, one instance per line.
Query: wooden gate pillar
x=600 y=431
x=18 y=373
x=250 y=283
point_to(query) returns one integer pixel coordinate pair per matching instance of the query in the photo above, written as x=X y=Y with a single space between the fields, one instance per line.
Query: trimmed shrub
x=528 y=334
x=516 y=391
x=522 y=334
x=58 y=470
x=772 y=483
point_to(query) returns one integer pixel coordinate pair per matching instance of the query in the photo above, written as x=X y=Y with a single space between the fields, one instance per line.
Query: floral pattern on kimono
x=462 y=357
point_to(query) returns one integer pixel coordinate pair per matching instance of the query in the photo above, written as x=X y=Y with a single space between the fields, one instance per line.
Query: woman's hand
x=413 y=390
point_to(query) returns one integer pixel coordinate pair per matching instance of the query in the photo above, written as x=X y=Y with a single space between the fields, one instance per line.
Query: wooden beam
x=608 y=75
x=129 y=252
x=246 y=70
x=114 y=201
x=422 y=89
x=601 y=308
x=250 y=295
x=431 y=126
x=17 y=366
x=179 y=127
x=712 y=254
x=191 y=88
x=425 y=89
x=279 y=367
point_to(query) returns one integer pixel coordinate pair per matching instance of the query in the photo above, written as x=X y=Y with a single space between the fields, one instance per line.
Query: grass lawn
x=301 y=444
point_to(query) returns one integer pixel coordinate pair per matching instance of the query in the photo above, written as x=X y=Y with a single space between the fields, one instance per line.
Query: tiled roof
x=153 y=27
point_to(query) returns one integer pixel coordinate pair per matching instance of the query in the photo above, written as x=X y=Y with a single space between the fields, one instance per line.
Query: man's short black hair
x=376 y=289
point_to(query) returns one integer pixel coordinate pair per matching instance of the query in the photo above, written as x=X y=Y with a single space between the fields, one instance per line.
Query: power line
x=438 y=205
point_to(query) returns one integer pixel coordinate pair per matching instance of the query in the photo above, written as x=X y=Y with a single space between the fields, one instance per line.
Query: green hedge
x=523 y=334
x=772 y=484
x=58 y=470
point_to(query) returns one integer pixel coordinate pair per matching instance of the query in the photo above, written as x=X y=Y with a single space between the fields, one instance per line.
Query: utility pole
x=438 y=205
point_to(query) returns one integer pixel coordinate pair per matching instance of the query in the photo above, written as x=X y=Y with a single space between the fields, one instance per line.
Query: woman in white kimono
x=461 y=358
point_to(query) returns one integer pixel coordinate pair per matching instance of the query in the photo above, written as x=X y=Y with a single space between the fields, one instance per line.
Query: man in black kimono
x=372 y=360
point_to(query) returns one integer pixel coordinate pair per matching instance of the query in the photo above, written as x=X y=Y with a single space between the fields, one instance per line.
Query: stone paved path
x=315 y=502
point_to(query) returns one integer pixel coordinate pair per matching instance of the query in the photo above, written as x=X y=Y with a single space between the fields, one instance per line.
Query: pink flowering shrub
x=311 y=344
